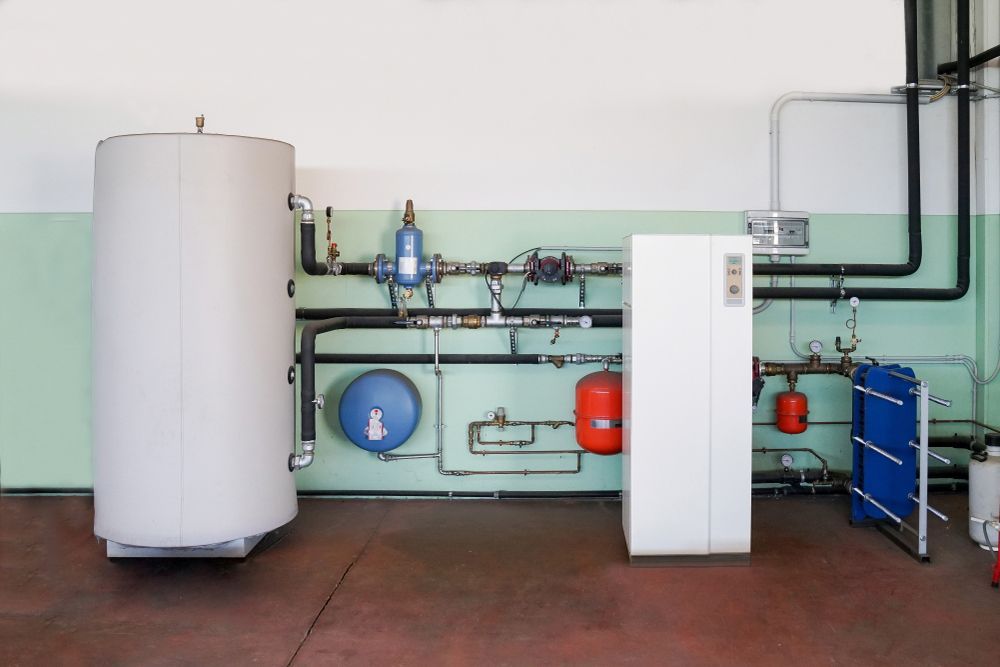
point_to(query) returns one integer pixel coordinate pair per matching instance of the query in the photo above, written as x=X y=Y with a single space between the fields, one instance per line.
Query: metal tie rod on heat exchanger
x=868 y=499
x=878 y=450
x=878 y=394
x=938 y=513
x=915 y=391
x=931 y=453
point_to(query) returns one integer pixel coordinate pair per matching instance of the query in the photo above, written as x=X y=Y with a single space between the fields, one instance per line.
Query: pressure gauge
x=787 y=460
x=854 y=301
x=586 y=321
x=815 y=346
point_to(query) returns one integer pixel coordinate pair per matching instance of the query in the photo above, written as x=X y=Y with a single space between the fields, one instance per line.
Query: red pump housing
x=599 y=412
x=792 y=408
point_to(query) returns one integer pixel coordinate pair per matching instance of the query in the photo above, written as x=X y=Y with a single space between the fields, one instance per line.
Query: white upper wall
x=476 y=104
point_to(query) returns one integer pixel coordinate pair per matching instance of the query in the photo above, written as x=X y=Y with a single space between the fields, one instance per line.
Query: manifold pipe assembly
x=387 y=320
x=438 y=452
x=600 y=317
x=913 y=187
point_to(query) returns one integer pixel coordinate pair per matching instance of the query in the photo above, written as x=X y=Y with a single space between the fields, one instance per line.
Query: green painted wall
x=45 y=339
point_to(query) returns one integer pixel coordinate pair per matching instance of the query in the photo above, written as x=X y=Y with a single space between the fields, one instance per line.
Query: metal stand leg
x=922 y=505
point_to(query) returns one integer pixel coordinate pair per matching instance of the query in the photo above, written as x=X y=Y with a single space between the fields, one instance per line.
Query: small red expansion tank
x=792 y=409
x=599 y=412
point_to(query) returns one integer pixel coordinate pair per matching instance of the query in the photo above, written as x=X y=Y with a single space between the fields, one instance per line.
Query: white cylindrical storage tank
x=193 y=338
x=984 y=495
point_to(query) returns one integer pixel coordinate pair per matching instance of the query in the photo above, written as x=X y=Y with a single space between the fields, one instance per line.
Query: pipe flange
x=531 y=268
x=437 y=265
x=380 y=268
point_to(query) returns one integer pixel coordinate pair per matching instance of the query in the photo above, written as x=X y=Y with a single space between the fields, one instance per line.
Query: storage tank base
x=238 y=548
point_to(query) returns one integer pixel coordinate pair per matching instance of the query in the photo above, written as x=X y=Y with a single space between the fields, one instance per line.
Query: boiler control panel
x=734 y=280
x=779 y=232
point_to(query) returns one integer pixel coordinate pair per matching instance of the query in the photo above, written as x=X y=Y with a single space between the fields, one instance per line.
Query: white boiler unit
x=686 y=468
x=193 y=343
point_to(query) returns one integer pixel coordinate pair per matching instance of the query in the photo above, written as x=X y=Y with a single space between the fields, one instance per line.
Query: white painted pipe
x=799 y=96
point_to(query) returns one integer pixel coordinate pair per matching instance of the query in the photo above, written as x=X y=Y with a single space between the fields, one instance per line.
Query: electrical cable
x=945 y=89
x=524 y=284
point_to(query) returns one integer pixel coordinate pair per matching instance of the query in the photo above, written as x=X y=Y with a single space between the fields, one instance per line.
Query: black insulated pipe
x=962 y=280
x=975 y=61
x=307 y=353
x=391 y=359
x=600 y=317
x=307 y=256
x=914 y=216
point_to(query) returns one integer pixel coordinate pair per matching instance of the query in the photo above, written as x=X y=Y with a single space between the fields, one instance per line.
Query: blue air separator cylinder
x=409 y=251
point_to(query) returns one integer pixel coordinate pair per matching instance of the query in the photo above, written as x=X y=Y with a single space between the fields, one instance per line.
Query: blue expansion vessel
x=379 y=410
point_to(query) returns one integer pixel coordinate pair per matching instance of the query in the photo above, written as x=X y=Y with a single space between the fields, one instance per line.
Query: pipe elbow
x=304 y=204
x=303 y=460
x=299 y=461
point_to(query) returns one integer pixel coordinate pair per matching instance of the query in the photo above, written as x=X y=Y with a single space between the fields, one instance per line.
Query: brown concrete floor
x=493 y=583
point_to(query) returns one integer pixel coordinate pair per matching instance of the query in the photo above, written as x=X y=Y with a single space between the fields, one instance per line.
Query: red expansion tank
x=792 y=409
x=599 y=412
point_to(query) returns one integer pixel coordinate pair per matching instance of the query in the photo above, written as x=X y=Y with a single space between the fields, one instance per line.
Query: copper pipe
x=814 y=366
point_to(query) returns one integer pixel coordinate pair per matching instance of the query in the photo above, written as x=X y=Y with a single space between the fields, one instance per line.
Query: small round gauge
x=787 y=460
x=586 y=321
x=815 y=346
x=854 y=301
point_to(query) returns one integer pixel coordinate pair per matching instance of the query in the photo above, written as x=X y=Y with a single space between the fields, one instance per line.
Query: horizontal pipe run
x=557 y=360
x=974 y=61
x=327 y=313
x=465 y=495
x=393 y=359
